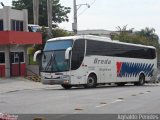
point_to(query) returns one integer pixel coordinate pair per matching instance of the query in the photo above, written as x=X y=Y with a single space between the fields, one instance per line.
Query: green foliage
x=146 y=36
x=30 y=50
x=148 y=33
x=59 y=12
x=60 y=33
x=31 y=62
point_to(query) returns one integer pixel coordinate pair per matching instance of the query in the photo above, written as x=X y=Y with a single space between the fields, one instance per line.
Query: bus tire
x=141 y=81
x=66 y=86
x=91 y=81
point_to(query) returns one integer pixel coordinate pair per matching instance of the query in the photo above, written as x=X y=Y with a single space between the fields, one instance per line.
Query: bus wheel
x=66 y=86
x=141 y=80
x=91 y=81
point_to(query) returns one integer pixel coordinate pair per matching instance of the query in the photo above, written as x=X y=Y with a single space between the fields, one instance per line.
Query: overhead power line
x=75 y=8
x=87 y=8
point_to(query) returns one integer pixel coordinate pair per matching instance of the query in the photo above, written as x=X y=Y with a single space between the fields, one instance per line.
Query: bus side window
x=77 y=54
x=151 y=53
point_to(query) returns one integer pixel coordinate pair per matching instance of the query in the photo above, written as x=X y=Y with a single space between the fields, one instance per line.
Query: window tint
x=77 y=54
x=1 y=25
x=12 y=57
x=119 y=50
x=21 y=26
x=2 y=57
x=21 y=57
x=58 y=45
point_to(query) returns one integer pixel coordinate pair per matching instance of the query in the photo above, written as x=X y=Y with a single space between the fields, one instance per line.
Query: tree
x=59 y=12
x=146 y=36
x=124 y=29
x=123 y=32
x=149 y=33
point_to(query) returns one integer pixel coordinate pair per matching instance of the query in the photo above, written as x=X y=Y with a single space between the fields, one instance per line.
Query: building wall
x=7 y=14
x=32 y=70
x=15 y=67
x=12 y=43
x=6 y=69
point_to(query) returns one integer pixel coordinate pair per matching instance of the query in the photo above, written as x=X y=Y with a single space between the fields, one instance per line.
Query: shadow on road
x=102 y=87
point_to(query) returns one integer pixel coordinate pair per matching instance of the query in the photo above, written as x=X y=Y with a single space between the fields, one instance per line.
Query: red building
x=13 y=51
x=14 y=41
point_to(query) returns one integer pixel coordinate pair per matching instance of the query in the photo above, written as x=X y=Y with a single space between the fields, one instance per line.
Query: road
x=101 y=100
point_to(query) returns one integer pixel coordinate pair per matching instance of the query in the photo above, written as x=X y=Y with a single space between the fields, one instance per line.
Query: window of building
x=17 y=57
x=16 y=25
x=2 y=57
x=1 y=25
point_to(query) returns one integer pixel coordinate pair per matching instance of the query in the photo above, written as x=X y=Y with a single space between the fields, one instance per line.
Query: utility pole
x=49 y=12
x=36 y=11
x=74 y=25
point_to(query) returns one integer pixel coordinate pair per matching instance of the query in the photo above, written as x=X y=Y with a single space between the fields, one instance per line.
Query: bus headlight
x=66 y=82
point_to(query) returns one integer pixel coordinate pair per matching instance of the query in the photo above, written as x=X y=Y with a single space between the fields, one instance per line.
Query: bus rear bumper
x=53 y=81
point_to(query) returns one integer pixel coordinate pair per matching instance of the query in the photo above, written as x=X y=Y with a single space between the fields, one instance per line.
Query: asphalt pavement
x=27 y=98
x=18 y=83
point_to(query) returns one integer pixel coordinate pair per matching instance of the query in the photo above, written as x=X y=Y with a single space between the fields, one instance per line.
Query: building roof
x=19 y=37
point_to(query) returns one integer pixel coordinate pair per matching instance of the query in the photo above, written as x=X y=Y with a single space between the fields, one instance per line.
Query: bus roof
x=97 y=38
x=90 y=37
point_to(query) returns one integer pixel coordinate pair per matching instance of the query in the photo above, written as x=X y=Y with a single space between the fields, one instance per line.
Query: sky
x=108 y=14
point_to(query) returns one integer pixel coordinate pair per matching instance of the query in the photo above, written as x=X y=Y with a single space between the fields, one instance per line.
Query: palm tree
x=124 y=29
x=149 y=33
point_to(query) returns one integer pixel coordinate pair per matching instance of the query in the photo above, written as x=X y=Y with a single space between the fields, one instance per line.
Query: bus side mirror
x=35 y=55
x=67 y=53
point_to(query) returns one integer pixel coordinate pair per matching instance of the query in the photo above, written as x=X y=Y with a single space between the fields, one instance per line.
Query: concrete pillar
x=26 y=57
x=25 y=19
x=6 y=18
x=7 y=61
x=74 y=25
x=49 y=12
x=36 y=11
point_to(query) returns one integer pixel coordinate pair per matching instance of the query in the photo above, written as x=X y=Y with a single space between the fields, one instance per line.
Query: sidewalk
x=19 y=83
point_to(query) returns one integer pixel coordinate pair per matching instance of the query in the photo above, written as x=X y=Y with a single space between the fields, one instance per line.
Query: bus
x=87 y=60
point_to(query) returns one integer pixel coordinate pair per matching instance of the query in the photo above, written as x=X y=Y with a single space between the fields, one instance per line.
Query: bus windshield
x=53 y=58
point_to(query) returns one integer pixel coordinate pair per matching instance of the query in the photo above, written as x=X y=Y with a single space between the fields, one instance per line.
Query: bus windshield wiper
x=50 y=62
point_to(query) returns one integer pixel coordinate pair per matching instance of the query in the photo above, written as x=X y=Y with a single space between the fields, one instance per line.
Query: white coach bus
x=91 y=60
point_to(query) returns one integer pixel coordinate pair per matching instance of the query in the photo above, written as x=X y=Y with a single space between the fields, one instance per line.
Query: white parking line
x=115 y=101
x=101 y=105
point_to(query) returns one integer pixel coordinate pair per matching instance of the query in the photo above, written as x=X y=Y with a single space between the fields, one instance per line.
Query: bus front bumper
x=55 y=81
